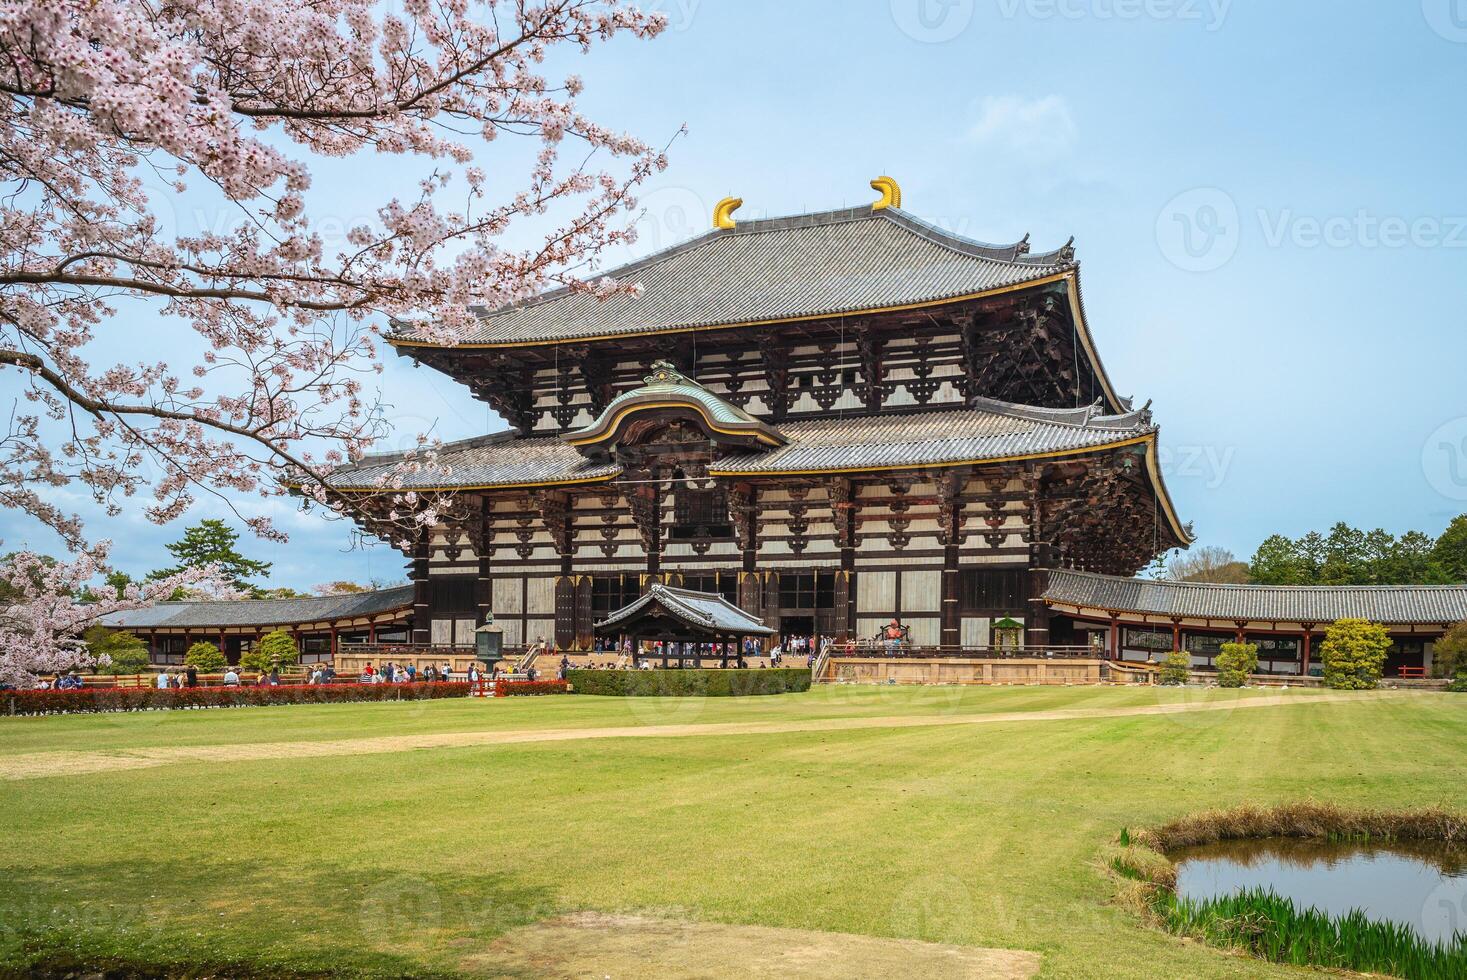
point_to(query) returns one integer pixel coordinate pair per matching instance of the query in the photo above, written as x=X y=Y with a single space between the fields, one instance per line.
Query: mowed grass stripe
x=73 y=763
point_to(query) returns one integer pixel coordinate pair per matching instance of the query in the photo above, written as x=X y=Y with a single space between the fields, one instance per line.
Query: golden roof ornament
x=891 y=193
x=723 y=211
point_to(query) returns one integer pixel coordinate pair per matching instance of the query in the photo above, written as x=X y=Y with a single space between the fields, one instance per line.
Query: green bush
x=1354 y=653
x=205 y=656
x=1459 y=685
x=1449 y=656
x=125 y=653
x=1176 y=668
x=276 y=649
x=1235 y=663
x=689 y=683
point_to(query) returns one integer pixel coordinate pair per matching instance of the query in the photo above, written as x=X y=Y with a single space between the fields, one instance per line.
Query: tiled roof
x=796 y=267
x=1391 y=604
x=263 y=612
x=993 y=430
x=501 y=459
x=702 y=610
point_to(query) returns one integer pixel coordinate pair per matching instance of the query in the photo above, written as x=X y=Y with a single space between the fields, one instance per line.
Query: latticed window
x=806 y=590
x=726 y=585
x=610 y=592
x=991 y=590
x=700 y=514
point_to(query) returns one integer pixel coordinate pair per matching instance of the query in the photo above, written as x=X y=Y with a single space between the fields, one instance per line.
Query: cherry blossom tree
x=103 y=98
x=47 y=605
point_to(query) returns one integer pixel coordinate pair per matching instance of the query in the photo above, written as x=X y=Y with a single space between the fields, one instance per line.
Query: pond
x=1421 y=885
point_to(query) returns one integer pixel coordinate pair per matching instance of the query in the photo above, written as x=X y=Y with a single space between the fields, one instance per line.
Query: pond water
x=1419 y=885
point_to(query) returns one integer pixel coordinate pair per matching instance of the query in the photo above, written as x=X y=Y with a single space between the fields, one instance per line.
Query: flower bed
x=153 y=699
x=509 y=689
x=690 y=682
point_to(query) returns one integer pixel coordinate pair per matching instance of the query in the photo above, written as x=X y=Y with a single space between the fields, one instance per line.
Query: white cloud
x=1035 y=129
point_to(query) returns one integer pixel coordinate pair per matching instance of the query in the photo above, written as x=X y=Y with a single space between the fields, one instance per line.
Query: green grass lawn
x=413 y=862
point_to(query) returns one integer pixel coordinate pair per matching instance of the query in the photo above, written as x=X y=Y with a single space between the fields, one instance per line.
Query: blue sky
x=1266 y=198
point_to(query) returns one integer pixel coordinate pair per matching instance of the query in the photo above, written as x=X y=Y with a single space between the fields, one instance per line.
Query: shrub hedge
x=510 y=689
x=153 y=699
x=690 y=683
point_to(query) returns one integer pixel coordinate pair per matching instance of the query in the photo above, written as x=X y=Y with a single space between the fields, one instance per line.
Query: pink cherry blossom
x=236 y=98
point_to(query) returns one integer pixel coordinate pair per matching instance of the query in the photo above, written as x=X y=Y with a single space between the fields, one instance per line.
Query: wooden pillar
x=1036 y=622
x=484 y=584
x=333 y=643
x=422 y=627
x=1239 y=635
x=1113 y=642
x=1304 y=649
x=1176 y=634
x=950 y=520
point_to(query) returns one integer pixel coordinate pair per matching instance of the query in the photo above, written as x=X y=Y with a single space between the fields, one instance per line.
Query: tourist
x=389 y=672
x=161 y=681
x=231 y=677
x=274 y=676
x=412 y=673
x=192 y=673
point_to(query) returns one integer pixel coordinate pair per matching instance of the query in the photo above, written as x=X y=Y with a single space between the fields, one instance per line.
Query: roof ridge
x=1243 y=586
x=1016 y=254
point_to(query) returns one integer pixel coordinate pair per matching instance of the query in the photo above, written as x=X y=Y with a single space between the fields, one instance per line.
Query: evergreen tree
x=212 y=542
x=1277 y=562
x=1450 y=551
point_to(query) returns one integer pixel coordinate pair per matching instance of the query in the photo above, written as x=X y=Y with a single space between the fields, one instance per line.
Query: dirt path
x=631 y=947
x=68 y=763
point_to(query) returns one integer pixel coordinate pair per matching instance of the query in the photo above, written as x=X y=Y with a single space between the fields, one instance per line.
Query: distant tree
x=212 y=542
x=340 y=588
x=116 y=651
x=1413 y=561
x=1354 y=653
x=1344 y=556
x=1236 y=662
x=283 y=592
x=1449 y=654
x=1208 y=564
x=276 y=649
x=1277 y=562
x=205 y=656
x=1450 y=551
